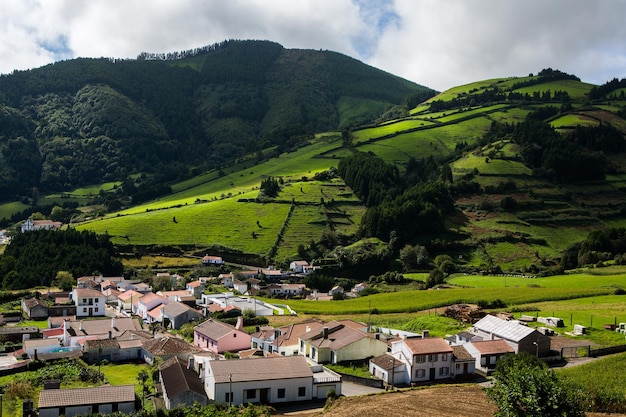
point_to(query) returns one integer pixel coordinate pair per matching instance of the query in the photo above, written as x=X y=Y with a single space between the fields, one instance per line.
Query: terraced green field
x=224 y=222
x=576 y=90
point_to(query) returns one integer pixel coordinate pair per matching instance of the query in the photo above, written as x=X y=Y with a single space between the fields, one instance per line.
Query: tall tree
x=524 y=386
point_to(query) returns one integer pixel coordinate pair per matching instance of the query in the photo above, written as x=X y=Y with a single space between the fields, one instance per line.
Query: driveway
x=350 y=389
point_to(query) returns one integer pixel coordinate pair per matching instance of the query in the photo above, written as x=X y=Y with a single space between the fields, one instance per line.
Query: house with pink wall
x=218 y=337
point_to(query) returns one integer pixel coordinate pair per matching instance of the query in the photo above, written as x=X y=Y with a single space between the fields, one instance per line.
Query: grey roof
x=175 y=309
x=261 y=369
x=80 y=396
x=504 y=329
x=214 y=329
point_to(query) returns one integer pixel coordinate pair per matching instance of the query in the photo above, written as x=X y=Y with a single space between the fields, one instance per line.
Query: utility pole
x=230 y=390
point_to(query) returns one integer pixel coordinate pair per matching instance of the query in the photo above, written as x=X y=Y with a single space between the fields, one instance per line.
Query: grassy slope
x=545 y=213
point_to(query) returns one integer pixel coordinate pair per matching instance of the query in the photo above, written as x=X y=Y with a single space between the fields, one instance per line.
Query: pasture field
x=301 y=163
x=414 y=301
x=572 y=120
x=603 y=377
x=593 y=312
x=390 y=128
x=575 y=280
x=484 y=165
x=8 y=209
x=159 y=262
x=224 y=222
x=575 y=89
x=510 y=115
x=476 y=112
x=436 y=141
x=454 y=92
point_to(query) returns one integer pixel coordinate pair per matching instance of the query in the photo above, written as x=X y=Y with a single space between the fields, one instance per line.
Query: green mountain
x=505 y=174
x=88 y=121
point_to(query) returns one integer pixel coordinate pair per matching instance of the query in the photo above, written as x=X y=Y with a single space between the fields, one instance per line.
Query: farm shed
x=521 y=338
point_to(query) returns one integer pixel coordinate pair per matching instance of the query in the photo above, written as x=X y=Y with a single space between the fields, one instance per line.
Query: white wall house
x=426 y=359
x=85 y=401
x=88 y=302
x=279 y=379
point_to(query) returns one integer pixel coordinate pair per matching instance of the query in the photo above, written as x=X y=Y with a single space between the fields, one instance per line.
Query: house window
x=234 y=334
x=420 y=358
x=228 y=396
x=444 y=370
x=301 y=391
x=458 y=366
x=96 y=309
x=254 y=345
x=250 y=394
x=313 y=352
x=419 y=373
x=84 y=301
x=444 y=356
x=432 y=358
x=84 y=309
x=281 y=393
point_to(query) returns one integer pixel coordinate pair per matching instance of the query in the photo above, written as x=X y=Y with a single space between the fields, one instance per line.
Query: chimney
x=276 y=333
x=239 y=325
x=308 y=329
x=110 y=334
x=325 y=332
x=113 y=323
x=80 y=327
x=257 y=329
x=425 y=334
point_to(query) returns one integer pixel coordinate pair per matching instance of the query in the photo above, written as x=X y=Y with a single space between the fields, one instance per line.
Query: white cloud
x=432 y=42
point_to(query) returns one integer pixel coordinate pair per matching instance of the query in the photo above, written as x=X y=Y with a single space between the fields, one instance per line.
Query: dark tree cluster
x=270 y=187
x=552 y=154
x=393 y=203
x=34 y=258
x=599 y=246
x=601 y=91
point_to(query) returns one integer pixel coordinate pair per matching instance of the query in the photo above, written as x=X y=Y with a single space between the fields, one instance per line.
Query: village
x=117 y=320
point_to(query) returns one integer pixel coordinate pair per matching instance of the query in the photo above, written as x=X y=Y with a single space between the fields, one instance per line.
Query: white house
x=298 y=266
x=287 y=290
x=30 y=225
x=85 y=401
x=126 y=300
x=279 y=379
x=147 y=307
x=212 y=260
x=88 y=302
x=426 y=359
x=487 y=353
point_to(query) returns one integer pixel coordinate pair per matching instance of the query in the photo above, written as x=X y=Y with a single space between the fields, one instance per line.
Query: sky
x=436 y=43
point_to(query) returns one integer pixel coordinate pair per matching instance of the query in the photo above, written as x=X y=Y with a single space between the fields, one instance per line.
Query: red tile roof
x=428 y=345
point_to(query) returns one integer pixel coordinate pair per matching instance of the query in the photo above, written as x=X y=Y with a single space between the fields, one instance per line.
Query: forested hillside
x=86 y=121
